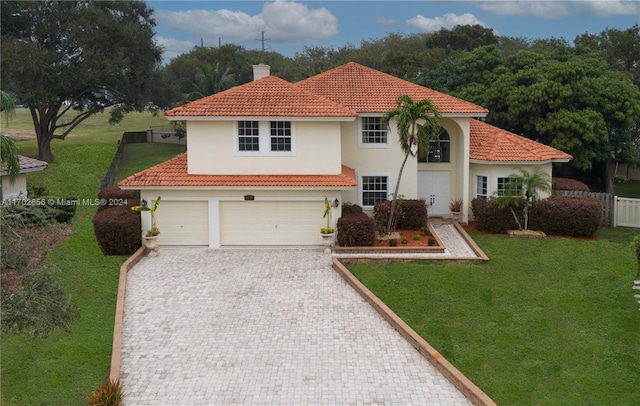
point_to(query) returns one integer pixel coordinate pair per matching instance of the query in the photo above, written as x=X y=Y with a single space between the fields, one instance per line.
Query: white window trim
x=390 y=187
x=264 y=134
x=371 y=145
x=475 y=185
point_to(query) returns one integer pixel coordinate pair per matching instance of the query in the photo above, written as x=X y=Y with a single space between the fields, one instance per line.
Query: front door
x=435 y=188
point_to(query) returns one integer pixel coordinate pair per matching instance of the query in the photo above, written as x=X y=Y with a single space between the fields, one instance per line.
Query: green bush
x=350 y=208
x=37 y=214
x=489 y=218
x=565 y=215
x=413 y=214
x=356 y=230
x=118 y=230
x=118 y=197
x=569 y=184
x=63 y=209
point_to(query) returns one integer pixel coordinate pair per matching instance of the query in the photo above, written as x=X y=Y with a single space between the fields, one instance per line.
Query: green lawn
x=137 y=157
x=544 y=322
x=64 y=368
x=628 y=189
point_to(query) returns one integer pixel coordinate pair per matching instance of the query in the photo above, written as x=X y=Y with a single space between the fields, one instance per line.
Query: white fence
x=627 y=212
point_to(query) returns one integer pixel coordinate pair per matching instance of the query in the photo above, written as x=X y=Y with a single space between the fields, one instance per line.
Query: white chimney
x=261 y=71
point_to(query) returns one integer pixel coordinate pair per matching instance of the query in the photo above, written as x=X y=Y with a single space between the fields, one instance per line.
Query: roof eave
x=239 y=187
x=259 y=118
x=532 y=162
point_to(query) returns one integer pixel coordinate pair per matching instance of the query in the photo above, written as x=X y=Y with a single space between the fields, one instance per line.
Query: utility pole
x=262 y=40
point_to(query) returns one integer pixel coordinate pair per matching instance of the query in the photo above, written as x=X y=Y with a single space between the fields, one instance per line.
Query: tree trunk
x=44 y=148
x=395 y=194
x=40 y=124
x=608 y=177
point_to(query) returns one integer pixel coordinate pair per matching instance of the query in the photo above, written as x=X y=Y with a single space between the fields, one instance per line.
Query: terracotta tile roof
x=174 y=173
x=489 y=143
x=266 y=97
x=27 y=164
x=367 y=90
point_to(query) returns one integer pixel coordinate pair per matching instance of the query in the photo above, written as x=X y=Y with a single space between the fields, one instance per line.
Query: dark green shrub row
x=564 y=215
x=118 y=197
x=569 y=184
x=118 y=230
x=355 y=228
x=490 y=218
x=41 y=211
x=413 y=214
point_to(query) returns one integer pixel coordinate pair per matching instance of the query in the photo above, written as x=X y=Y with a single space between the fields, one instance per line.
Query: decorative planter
x=456 y=216
x=327 y=239
x=151 y=242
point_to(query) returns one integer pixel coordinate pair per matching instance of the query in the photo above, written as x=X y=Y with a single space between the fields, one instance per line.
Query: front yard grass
x=543 y=322
x=630 y=189
x=64 y=368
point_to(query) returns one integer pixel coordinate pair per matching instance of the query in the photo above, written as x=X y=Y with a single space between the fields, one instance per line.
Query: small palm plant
x=531 y=183
x=327 y=215
x=154 y=230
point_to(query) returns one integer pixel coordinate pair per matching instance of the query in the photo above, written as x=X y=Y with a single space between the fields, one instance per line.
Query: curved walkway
x=263 y=327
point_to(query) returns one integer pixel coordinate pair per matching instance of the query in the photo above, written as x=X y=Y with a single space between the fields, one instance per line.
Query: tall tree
x=208 y=80
x=69 y=60
x=417 y=123
x=523 y=191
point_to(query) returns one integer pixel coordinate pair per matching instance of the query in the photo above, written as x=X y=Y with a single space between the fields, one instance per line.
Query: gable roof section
x=266 y=97
x=174 y=173
x=367 y=90
x=489 y=143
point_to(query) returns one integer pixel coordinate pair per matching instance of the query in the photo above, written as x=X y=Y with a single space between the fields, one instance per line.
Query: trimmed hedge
x=489 y=218
x=350 y=208
x=118 y=197
x=413 y=214
x=566 y=215
x=569 y=184
x=356 y=230
x=117 y=230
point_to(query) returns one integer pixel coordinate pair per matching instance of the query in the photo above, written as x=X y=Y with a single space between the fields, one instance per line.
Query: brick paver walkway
x=263 y=327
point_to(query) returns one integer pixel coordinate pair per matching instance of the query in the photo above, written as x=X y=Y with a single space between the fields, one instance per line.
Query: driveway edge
x=114 y=371
x=457 y=378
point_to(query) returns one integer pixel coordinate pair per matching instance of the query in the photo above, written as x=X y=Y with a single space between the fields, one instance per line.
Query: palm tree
x=417 y=124
x=9 y=159
x=208 y=80
x=531 y=183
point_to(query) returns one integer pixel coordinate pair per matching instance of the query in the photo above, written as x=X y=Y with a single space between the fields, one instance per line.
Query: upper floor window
x=263 y=138
x=482 y=190
x=373 y=132
x=248 y=136
x=374 y=189
x=439 y=149
x=281 y=136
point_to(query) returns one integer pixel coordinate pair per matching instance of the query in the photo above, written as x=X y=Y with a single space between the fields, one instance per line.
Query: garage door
x=183 y=222
x=271 y=223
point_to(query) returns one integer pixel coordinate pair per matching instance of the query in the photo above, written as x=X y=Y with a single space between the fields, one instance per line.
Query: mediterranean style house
x=261 y=158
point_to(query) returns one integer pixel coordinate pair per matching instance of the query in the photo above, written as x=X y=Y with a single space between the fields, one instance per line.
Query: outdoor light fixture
x=336 y=203
x=143 y=203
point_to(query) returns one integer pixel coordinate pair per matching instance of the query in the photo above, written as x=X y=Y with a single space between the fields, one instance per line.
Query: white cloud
x=548 y=10
x=381 y=20
x=608 y=8
x=172 y=48
x=447 y=21
x=282 y=21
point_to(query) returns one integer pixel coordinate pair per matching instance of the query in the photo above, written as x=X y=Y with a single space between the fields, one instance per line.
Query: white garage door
x=183 y=222
x=271 y=223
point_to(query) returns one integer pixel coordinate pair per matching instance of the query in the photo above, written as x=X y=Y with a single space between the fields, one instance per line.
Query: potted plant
x=455 y=206
x=328 y=231
x=151 y=237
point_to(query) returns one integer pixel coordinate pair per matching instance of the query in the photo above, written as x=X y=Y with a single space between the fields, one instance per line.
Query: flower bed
x=405 y=244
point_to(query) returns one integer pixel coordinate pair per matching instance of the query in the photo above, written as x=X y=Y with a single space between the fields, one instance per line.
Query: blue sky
x=292 y=25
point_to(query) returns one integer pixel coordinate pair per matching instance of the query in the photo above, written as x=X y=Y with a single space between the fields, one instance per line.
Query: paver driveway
x=263 y=327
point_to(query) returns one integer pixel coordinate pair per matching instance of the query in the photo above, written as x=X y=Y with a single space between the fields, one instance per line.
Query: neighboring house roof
x=367 y=90
x=174 y=173
x=266 y=97
x=27 y=165
x=489 y=143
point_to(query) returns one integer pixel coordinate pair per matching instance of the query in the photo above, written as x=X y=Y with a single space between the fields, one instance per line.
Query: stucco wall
x=212 y=150
x=494 y=171
x=18 y=188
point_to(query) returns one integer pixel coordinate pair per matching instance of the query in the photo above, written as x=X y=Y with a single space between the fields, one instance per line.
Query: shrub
x=357 y=230
x=63 y=209
x=350 y=208
x=393 y=242
x=19 y=215
x=416 y=237
x=490 y=218
x=118 y=197
x=569 y=184
x=405 y=241
x=381 y=211
x=412 y=214
x=109 y=393
x=565 y=215
x=117 y=230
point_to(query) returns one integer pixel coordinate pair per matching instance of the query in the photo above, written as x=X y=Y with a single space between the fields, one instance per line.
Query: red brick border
x=457 y=378
x=114 y=372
